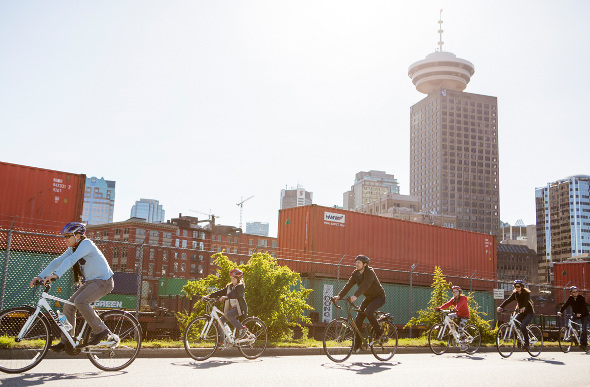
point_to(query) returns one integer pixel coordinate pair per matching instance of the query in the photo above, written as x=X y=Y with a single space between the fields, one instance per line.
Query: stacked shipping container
x=322 y=236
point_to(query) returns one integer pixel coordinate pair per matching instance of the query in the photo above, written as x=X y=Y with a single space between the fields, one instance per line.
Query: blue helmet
x=74 y=227
x=521 y=282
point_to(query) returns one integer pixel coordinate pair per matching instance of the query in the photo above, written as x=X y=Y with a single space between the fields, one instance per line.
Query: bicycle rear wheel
x=338 y=340
x=472 y=338
x=120 y=349
x=535 y=340
x=565 y=339
x=439 y=339
x=385 y=349
x=505 y=340
x=255 y=338
x=201 y=338
x=25 y=354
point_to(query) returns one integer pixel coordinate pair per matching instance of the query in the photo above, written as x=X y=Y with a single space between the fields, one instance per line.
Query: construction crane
x=210 y=215
x=241 y=205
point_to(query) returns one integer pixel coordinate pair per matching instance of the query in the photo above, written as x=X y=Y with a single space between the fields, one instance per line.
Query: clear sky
x=200 y=103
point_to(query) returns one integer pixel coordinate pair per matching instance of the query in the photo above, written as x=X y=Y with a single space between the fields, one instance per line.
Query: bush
x=274 y=293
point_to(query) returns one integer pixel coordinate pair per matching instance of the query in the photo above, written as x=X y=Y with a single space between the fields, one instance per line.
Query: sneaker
x=221 y=347
x=463 y=347
x=59 y=347
x=356 y=349
x=98 y=337
x=242 y=333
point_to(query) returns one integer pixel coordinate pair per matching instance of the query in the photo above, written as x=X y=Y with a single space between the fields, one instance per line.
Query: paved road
x=486 y=369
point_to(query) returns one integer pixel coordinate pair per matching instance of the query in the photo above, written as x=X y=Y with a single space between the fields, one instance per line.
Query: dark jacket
x=578 y=305
x=368 y=284
x=523 y=299
x=233 y=293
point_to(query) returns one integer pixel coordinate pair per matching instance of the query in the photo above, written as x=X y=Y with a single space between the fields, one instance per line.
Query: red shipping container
x=572 y=273
x=42 y=200
x=313 y=239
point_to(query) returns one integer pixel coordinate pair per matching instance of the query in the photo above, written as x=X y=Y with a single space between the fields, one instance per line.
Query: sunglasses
x=517 y=286
x=68 y=236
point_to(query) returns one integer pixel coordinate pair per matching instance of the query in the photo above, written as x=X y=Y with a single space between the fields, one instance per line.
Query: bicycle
x=26 y=333
x=509 y=336
x=571 y=334
x=339 y=336
x=446 y=334
x=202 y=337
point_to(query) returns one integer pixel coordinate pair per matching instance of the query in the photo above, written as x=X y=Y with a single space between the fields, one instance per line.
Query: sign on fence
x=327 y=312
x=498 y=294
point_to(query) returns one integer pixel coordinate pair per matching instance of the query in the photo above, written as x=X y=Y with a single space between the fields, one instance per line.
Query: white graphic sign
x=327 y=305
x=334 y=219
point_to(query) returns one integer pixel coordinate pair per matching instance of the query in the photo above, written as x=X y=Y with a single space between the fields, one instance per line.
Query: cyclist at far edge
x=87 y=261
x=580 y=310
x=369 y=286
x=460 y=310
x=525 y=307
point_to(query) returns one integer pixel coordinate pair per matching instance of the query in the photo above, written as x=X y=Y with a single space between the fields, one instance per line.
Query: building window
x=164 y=269
x=175 y=266
x=152 y=254
x=183 y=267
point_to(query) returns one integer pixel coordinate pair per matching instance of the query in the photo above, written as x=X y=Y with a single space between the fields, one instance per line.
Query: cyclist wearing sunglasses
x=460 y=310
x=580 y=310
x=87 y=261
x=526 y=312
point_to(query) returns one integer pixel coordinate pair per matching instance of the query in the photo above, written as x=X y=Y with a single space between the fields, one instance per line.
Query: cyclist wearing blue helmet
x=88 y=262
x=580 y=311
x=369 y=286
x=525 y=307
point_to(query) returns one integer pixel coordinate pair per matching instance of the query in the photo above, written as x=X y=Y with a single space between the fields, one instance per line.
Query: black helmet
x=362 y=258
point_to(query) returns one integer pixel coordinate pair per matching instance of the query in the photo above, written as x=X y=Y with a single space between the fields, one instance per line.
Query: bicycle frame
x=42 y=303
x=575 y=330
x=215 y=316
x=515 y=327
x=448 y=323
x=353 y=308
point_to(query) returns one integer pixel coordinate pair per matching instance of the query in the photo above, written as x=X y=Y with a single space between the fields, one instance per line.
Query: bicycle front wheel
x=201 y=338
x=439 y=339
x=338 y=340
x=255 y=338
x=122 y=345
x=565 y=339
x=25 y=354
x=535 y=340
x=505 y=340
x=385 y=347
x=472 y=338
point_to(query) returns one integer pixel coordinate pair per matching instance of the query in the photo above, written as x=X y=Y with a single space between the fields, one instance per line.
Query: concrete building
x=519 y=234
x=148 y=209
x=563 y=226
x=257 y=228
x=454 y=144
x=369 y=187
x=99 y=201
x=516 y=262
x=295 y=197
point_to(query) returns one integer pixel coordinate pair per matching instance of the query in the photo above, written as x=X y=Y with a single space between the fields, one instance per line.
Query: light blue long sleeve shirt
x=95 y=267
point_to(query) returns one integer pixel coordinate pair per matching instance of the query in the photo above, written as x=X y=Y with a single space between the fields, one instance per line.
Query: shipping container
x=566 y=274
x=171 y=286
x=39 y=199
x=314 y=240
x=117 y=301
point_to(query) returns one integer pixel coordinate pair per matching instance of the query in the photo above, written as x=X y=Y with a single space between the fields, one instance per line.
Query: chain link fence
x=149 y=280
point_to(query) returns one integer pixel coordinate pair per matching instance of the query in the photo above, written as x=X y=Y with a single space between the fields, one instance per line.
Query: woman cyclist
x=525 y=307
x=460 y=310
x=88 y=262
x=369 y=286
x=235 y=303
x=580 y=310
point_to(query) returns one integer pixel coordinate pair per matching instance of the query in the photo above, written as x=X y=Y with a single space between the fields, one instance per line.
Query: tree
x=274 y=293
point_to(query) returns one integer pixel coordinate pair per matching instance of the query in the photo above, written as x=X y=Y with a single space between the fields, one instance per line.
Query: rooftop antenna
x=440 y=32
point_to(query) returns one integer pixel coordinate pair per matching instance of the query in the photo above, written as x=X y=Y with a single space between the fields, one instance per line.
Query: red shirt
x=460 y=306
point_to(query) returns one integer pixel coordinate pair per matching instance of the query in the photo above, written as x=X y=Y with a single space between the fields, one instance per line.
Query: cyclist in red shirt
x=460 y=309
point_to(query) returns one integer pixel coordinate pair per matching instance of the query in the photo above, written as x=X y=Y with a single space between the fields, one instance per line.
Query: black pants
x=525 y=319
x=369 y=307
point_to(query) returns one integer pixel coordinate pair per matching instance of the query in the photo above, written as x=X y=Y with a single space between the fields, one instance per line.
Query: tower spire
x=440 y=31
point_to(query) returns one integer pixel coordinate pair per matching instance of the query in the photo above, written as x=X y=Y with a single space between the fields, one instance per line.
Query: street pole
x=411 y=303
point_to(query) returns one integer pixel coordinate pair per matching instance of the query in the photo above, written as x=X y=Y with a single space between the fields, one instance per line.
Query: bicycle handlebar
x=342 y=299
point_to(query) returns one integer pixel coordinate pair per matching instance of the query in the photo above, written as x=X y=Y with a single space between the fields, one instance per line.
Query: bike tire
x=26 y=354
x=438 y=341
x=505 y=340
x=115 y=355
x=198 y=344
x=472 y=338
x=565 y=339
x=255 y=340
x=338 y=340
x=535 y=340
x=385 y=350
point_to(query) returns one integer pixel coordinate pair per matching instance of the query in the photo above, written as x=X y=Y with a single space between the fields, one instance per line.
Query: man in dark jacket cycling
x=370 y=287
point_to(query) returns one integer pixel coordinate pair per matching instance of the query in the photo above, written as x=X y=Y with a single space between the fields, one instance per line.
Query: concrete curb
x=274 y=352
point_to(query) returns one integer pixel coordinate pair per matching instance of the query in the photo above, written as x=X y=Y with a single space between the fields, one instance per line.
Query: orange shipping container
x=313 y=239
x=572 y=273
x=41 y=199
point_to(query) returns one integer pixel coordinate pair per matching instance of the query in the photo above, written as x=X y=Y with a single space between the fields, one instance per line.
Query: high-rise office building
x=454 y=144
x=149 y=209
x=563 y=225
x=257 y=228
x=295 y=197
x=99 y=201
x=369 y=187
